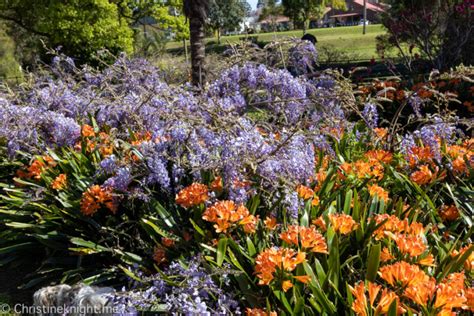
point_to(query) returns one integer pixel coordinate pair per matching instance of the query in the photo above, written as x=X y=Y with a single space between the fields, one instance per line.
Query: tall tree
x=81 y=27
x=196 y=11
x=227 y=14
x=272 y=10
x=301 y=11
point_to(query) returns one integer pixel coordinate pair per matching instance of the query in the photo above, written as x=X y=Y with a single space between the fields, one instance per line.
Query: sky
x=253 y=3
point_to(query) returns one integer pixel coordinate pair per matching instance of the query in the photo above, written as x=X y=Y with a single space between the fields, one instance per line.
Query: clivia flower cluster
x=279 y=262
x=227 y=215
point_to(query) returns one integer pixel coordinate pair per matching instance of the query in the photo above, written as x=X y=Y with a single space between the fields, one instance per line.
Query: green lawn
x=346 y=39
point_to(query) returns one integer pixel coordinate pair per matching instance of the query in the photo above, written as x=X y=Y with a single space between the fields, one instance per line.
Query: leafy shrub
x=436 y=31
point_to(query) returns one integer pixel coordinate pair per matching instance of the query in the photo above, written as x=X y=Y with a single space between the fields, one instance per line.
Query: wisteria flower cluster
x=188 y=290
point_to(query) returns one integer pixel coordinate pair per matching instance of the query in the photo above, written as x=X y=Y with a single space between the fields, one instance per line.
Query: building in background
x=354 y=13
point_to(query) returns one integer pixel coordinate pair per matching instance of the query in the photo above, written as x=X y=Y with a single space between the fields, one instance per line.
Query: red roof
x=344 y=15
x=370 y=6
x=276 y=19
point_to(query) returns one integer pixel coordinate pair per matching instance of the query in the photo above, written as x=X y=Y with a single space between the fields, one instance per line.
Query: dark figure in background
x=309 y=37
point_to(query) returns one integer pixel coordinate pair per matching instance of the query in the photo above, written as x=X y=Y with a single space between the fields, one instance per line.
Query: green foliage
x=228 y=14
x=70 y=246
x=300 y=11
x=80 y=27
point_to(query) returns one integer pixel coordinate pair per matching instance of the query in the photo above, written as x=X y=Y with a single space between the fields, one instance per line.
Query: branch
x=22 y=25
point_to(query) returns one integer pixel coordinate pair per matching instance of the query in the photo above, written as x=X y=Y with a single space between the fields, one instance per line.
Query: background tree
x=155 y=23
x=196 y=11
x=81 y=27
x=440 y=32
x=301 y=11
x=271 y=10
x=227 y=15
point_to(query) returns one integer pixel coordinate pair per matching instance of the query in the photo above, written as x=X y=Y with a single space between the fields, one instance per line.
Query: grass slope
x=346 y=39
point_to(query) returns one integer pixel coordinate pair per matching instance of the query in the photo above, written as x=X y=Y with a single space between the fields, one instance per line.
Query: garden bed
x=265 y=193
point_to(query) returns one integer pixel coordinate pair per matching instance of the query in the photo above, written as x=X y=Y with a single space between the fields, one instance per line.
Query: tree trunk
x=219 y=36
x=364 y=30
x=198 y=51
x=196 y=11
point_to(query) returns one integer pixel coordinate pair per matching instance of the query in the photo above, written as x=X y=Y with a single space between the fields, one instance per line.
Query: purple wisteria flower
x=303 y=57
x=120 y=181
x=370 y=115
x=194 y=292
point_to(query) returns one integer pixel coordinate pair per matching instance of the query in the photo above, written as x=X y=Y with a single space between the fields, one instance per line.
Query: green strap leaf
x=373 y=262
x=221 y=250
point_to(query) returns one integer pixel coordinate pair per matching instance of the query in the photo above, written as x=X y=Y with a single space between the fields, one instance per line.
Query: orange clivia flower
x=449 y=213
x=291 y=235
x=470 y=299
x=422 y=176
x=391 y=223
x=270 y=223
x=309 y=237
x=274 y=259
x=159 y=255
x=249 y=223
x=385 y=255
x=286 y=285
x=403 y=273
x=303 y=278
x=320 y=178
x=319 y=222
x=193 y=195
x=386 y=299
x=419 y=155
x=362 y=169
x=379 y=156
x=216 y=185
x=315 y=201
x=87 y=131
x=422 y=292
x=469 y=263
x=304 y=192
x=342 y=223
x=415 y=228
x=59 y=182
x=375 y=190
x=36 y=169
x=167 y=242
x=459 y=165
x=361 y=306
x=94 y=198
x=141 y=137
x=225 y=214
x=381 y=132
x=38 y=166
x=427 y=261
x=412 y=245
x=373 y=292
x=450 y=295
